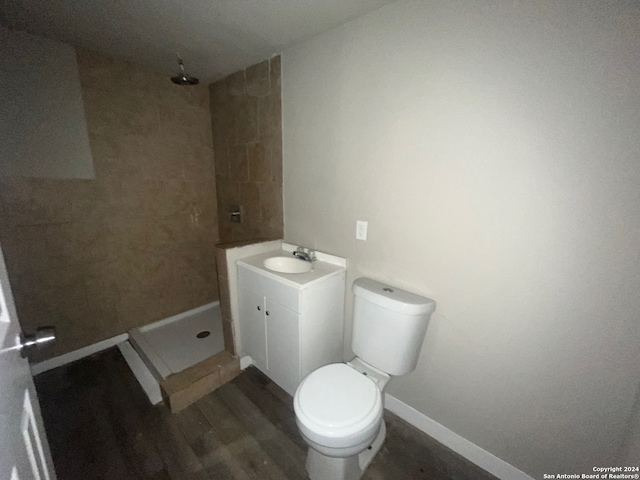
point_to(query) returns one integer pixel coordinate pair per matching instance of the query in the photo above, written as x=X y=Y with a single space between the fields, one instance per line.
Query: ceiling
x=214 y=37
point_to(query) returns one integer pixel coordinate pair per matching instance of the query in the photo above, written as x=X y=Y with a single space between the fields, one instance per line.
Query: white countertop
x=300 y=280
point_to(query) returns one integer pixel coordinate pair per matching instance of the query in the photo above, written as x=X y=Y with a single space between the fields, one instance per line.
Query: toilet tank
x=389 y=325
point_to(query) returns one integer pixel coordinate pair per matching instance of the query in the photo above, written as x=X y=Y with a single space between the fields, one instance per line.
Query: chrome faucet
x=308 y=256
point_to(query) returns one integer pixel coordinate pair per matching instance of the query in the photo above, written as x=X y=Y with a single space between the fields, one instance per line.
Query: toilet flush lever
x=31 y=343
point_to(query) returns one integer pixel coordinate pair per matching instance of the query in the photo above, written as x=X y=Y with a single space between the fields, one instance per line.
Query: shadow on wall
x=247 y=139
x=136 y=244
x=492 y=148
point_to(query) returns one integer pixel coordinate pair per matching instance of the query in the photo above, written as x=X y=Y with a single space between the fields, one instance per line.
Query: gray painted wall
x=629 y=454
x=43 y=132
x=494 y=149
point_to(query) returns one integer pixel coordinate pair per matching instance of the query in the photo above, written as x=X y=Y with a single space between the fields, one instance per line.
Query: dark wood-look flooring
x=100 y=425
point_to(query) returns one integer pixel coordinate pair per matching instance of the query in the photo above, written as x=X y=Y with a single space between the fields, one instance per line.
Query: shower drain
x=203 y=334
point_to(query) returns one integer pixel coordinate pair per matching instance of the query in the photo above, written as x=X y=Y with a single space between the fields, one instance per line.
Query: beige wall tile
x=221 y=259
x=257 y=79
x=271 y=203
x=235 y=83
x=223 y=123
x=259 y=163
x=270 y=115
x=47 y=246
x=116 y=116
x=217 y=95
x=59 y=289
x=221 y=161
x=269 y=232
x=225 y=298
x=247 y=135
x=228 y=333
x=275 y=68
x=246 y=115
x=229 y=370
x=239 y=163
x=228 y=193
x=250 y=200
x=33 y=201
x=224 y=226
x=190 y=124
x=137 y=244
x=275 y=151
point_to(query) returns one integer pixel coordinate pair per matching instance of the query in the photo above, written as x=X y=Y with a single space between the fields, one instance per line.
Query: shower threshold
x=179 y=358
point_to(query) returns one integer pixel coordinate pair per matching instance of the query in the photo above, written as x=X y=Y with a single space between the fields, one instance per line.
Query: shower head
x=184 y=78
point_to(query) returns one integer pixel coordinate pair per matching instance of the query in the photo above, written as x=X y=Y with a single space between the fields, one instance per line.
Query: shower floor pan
x=176 y=343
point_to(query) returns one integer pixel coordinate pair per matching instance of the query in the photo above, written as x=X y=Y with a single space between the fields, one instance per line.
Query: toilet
x=339 y=406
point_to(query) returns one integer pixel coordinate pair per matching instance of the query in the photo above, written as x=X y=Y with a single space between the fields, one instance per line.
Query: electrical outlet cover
x=361 y=229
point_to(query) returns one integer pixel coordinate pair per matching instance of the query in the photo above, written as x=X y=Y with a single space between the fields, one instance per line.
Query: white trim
x=175 y=318
x=70 y=357
x=28 y=428
x=245 y=362
x=469 y=450
x=145 y=378
x=152 y=360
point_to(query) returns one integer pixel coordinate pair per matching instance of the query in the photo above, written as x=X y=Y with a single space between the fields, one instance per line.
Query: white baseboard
x=245 y=362
x=67 y=358
x=485 y=460
x=146 y=380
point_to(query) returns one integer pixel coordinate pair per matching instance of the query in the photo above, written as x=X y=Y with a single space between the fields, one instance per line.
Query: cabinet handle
x=259 y=308
x=267 y=312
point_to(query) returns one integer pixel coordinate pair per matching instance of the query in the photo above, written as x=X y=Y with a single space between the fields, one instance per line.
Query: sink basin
x=287 y=265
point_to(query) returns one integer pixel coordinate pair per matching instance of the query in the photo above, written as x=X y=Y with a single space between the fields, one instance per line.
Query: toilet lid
x=336 y=396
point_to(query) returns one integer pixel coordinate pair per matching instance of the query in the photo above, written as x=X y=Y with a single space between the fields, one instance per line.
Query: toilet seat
x=337 y=406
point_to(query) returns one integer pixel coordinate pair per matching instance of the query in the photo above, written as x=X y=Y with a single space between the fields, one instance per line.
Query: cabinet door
x=252 y=327
x=283 y=343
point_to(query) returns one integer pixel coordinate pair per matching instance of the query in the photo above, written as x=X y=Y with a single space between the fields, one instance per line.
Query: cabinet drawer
x=282 y=294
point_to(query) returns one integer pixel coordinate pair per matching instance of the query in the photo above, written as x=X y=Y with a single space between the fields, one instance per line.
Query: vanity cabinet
x=287 y=328
x=252 y=325
x=268 y=336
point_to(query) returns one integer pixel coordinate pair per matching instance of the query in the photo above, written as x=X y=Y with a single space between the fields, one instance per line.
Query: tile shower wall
x=247 y=139
x=136 y=244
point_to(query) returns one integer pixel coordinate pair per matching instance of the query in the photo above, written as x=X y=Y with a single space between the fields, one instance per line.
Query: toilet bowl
x=339 y=410
x=339 y=407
